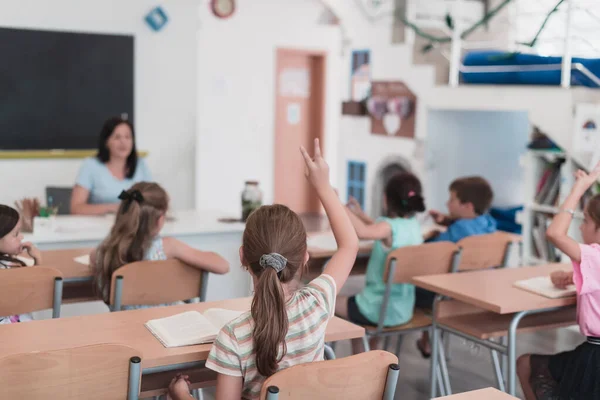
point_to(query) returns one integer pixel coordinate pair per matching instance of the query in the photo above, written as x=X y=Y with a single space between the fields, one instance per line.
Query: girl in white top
x=135 y=237
x=284 y=327
x=11 y=245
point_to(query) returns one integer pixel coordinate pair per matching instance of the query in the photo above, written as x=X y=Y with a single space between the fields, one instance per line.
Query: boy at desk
x=468 y=204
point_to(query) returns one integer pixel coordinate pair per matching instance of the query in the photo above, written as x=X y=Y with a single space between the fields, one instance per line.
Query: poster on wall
x=360 y=75
x=392 y=108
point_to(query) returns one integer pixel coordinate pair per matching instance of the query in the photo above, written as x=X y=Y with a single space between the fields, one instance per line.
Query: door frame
x=318 y=79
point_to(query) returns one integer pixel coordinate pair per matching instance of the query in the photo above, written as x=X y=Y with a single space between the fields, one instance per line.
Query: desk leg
x=512 y=351
x=434 y=352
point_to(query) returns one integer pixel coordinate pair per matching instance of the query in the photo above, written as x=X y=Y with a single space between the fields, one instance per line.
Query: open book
x=543 y=286
x=191 y=327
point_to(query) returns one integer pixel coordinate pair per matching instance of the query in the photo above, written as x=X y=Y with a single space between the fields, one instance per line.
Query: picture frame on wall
x=360 y=75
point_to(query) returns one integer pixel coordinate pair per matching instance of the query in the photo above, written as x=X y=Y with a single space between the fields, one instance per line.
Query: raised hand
x=584 y=180
x=317 y=170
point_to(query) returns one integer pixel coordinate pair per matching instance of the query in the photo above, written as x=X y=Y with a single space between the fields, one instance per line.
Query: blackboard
x=57 y=88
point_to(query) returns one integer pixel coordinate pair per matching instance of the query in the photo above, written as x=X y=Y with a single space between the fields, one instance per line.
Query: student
x=284 y=327
x=135 y=237
x=468 y=205
x=11 y=245
x=402 y=200
x=572 y=374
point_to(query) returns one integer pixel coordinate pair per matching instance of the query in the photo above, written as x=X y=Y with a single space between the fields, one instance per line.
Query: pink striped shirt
x=309 y=309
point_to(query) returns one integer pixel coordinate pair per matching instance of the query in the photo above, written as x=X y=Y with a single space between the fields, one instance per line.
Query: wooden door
x=299 y=102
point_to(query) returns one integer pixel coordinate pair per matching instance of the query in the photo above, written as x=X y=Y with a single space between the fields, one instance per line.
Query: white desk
x=201 y=230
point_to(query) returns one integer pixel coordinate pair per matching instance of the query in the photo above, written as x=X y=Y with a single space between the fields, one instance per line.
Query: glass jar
x=251 y=199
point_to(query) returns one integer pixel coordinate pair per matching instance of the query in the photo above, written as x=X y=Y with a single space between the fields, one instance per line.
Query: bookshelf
x=549 y=176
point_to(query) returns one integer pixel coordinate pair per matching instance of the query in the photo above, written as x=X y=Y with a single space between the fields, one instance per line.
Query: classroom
x=327 y=199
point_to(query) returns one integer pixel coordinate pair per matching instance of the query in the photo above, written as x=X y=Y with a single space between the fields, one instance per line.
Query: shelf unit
x=535 y=163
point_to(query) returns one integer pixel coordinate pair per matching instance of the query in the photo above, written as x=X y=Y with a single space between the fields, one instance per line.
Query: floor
x=470 y=366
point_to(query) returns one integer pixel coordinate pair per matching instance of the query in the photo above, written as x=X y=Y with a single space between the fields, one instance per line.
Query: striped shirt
x=309 y=309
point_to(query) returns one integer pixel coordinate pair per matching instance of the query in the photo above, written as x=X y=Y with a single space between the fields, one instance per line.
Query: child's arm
x=205 y=260
x=317 y=172
x=441 y=219
x=229 y=387
x=33 y=252
x=376 y=231
x=557 y=232
x=357 y=210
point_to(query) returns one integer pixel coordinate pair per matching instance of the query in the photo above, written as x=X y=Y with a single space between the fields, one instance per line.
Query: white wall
x=388 y=62
x=165 y=90
x=485 y=143
x=236 y=101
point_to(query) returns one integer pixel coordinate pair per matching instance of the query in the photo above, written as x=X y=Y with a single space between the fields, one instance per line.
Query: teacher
x=115 y=168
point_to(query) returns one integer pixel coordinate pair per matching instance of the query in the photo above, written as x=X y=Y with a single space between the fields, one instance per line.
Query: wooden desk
x=127 y=328
x=482 y=394
x=64 y=261
x=493 y=290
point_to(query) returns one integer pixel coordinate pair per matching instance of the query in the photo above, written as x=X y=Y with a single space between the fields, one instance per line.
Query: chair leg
x=440 y=381
x=446 y=340
x=391 y=382
x=386 y=342
x=197 y=394
x=329 y=354
x=498 y=370
x=444 y=366
x=399 y=345
x=366 y=343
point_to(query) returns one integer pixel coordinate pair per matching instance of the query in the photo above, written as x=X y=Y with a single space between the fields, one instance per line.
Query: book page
x=543 y=286
x=183 y=329
x=85 y=259
x=220 y=317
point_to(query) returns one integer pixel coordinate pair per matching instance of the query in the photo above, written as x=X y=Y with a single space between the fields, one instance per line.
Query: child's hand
x=179 y=388
x=438 y=217
x=583 y=180
x=33 y=252
x=317 y=170
x=561 y=279
x=354 y=205
x=431 y=235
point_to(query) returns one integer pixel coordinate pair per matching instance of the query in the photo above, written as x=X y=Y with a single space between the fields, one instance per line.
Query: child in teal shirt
x=403 y=199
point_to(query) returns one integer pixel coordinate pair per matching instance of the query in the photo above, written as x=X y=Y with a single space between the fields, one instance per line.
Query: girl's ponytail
x=270 y=322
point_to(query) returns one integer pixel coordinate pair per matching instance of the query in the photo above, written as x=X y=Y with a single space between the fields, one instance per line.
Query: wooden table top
x=64 y=261
x=127 y=328
x=481 y=394
x=493 y=290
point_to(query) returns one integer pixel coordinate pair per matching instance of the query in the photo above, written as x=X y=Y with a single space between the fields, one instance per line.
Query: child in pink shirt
x=573 y=374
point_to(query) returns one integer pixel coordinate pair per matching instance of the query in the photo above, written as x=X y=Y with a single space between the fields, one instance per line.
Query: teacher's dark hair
x=107 y=130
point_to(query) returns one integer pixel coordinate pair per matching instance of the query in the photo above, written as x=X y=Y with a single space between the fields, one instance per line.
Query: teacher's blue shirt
x=103 y=186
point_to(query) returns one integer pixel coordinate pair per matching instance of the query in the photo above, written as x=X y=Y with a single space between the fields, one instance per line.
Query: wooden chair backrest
x=484 y=251
x=99 y=372
x=362 y=376
x=424 y=259
x=157 y=282
x=27 y=289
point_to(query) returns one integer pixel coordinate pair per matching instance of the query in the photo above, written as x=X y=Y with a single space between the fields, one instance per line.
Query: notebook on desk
x=84 y=259
x=543 y=286
x=191 y=327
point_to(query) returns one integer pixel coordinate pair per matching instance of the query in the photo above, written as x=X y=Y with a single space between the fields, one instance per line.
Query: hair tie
x=411 y=194
x=273 y=260
x=130 y=196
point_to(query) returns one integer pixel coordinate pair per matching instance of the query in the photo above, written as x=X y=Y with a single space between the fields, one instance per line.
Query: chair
x=28 y=289
x=155 y=283
x=99 y=372
x=59 y=197
x=486 y=251
x=368 y=376
x=402 y=265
